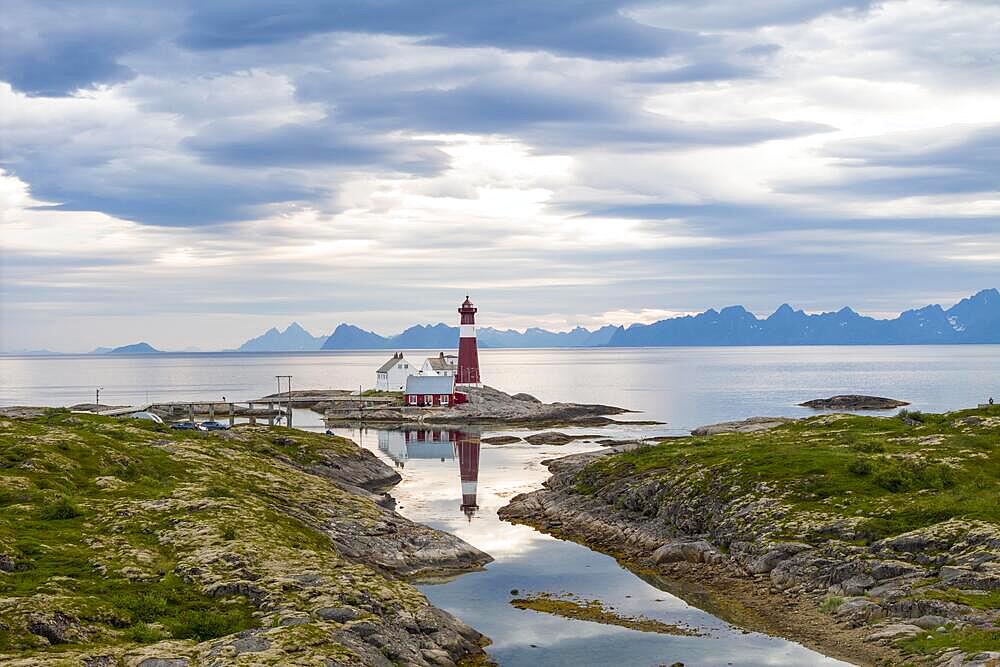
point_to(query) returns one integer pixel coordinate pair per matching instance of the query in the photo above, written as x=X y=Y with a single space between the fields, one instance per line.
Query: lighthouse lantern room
x=468 y=355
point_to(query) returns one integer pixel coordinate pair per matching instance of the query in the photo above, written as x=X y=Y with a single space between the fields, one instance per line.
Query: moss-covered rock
x=126 y=543
x=902 y=511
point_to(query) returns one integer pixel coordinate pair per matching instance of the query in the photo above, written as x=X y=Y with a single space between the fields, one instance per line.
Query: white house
x=391 y=376
x=443 y=364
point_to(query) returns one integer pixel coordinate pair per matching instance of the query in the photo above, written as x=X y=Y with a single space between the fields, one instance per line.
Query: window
x=444 y=400
x=429 y=399
x=412 y=398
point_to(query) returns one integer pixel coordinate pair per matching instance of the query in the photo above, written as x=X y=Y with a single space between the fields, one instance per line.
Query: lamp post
x=97 y=396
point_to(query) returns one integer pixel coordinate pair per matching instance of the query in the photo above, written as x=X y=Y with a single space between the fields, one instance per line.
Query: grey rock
x=100 y=661
x=364 y=628
x=694 y=551
x=57 y=627
x=860 y=610
x=501 y=440
x=857 y=585
x=337 y=614
x=437 y=657
x=251 y=645
x=853 y=402
x=549 y=438
x=895 y=631
x=751 y=425
x=930 y=622
x=164 y=662
x=242 y=587
x=947 y=573
x=293 y=620
x=890 y=569
x=779 y=552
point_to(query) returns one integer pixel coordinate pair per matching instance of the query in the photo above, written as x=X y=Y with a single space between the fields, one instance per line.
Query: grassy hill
x=889 y=524
x=126 y=541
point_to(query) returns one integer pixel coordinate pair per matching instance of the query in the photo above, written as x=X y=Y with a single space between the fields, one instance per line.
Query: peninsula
x=874 y=539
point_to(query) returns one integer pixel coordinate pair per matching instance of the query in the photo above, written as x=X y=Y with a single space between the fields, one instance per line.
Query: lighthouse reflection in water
x=443 y=444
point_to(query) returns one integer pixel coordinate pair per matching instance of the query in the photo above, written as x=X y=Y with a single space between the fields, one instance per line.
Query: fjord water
x=682 y=386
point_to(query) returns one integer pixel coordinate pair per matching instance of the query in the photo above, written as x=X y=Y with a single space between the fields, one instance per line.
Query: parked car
x=214 y=426
x=185 y=426
x=148 y=416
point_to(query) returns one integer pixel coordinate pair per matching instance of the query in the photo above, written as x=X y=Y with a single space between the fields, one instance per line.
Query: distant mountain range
x=972 y=320
x=975 y=319
x=437 y=336
x=293 y=339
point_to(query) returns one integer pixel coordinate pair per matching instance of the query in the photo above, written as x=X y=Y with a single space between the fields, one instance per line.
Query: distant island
x=134 y=348
x=975 y=319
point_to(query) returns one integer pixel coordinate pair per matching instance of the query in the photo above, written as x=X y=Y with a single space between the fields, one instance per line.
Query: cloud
x=711 y=15
x=590 y=28
x=255 y=163
x=948 y=160
x=701 y=71
x=53 y=49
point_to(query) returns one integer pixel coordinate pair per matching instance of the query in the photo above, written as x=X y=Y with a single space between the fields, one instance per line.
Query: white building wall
x=395 y=378
x=426 y=369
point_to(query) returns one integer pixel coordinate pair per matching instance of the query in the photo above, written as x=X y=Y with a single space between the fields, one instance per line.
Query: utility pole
x=97 y=396
x=288 y=403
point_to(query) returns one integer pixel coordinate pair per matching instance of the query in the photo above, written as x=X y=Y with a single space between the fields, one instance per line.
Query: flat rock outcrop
x=179 y=549
x=490 y=407
x=853 y=402
x=501 y=440
x=749 y=425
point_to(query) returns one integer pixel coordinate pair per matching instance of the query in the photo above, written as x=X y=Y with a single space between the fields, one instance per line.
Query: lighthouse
x=468 y=355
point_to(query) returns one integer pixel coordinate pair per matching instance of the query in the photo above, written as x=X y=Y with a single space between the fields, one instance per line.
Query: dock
x=273 y=407
x=268 y=409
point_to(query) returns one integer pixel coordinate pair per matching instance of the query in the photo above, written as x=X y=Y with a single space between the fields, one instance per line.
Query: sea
x=680 y=388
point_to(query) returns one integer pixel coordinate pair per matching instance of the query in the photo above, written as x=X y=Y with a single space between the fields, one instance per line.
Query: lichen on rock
x=127 y=543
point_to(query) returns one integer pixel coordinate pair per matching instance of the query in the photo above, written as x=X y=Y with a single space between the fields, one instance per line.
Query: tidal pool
x=436 y=467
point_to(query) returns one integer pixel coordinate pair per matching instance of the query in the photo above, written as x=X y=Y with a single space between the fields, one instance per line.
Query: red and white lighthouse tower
x=468 y=354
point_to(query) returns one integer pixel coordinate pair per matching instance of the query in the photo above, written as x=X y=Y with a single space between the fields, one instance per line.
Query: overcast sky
x=192 y=176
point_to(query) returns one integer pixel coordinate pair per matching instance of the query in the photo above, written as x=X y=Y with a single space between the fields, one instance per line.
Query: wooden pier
x=274 y=407
x=230 y=410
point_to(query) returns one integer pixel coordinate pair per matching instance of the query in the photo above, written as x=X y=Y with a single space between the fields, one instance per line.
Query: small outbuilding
x=432 y=390
x=391 y=376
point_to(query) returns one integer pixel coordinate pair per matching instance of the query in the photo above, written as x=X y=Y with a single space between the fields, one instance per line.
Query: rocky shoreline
x=486 y=407
x=176 y=549
x=912 y=595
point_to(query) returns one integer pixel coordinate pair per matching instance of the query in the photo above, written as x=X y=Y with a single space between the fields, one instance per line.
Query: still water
x=683 y=387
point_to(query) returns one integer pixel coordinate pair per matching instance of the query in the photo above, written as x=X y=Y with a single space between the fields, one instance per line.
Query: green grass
x=830 y=604
x=895 y=476
x=991 y=600
x=60 y=510
x=971 y=640
x=53 y=504
x=202 y=624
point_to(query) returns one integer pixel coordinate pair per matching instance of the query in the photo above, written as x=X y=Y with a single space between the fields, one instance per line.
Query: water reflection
x=443 y=444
